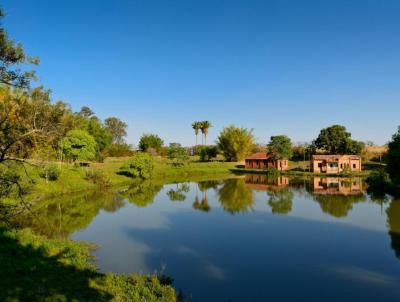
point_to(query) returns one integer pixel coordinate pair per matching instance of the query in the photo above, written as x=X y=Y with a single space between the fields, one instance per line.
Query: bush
x=118 y=150
x=98 y=177
x=50 y=172
x=177 y=155
x=378 y=183
x=140 y=165
x=207 y=153
x=273 y=173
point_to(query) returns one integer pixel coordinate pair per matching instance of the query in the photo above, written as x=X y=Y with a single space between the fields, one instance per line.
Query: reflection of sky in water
x=248 y=256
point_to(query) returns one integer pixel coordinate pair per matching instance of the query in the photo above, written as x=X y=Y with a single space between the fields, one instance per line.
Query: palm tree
x=205 y=125
x=196 y=126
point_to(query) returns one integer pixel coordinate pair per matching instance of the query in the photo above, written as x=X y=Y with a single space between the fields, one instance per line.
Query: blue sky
x=280 y=67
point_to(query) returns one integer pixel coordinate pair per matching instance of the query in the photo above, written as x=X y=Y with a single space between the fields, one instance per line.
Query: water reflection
x=142 y=194
x=61 y=216
x=393 y=219
x=235 y=196
x=243 y=257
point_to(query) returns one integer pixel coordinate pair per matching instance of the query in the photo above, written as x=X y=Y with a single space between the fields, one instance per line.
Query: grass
x=73 y=179
x=35 y=268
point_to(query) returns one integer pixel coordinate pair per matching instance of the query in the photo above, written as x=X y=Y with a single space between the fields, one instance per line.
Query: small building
x=262 y=160
x=332 y=164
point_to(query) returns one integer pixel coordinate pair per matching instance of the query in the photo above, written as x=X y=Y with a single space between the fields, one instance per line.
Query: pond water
x=243 y=239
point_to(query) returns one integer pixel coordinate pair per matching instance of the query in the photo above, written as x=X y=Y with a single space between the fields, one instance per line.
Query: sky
x=279 y=67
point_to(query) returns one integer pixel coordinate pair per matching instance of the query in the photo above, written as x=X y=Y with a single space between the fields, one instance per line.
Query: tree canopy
x=280 y=147
x=79 y=145
x=117 y=129
x=235 y=142
x=12 y=57
x=150 y=141
x=336 y=140
x=393 y=157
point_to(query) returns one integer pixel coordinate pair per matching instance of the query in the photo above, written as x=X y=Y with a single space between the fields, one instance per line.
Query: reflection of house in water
x=263 y=182
x=337 y=185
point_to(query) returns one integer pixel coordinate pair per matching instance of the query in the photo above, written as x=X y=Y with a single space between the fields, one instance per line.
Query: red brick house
x=262 y=160
x=335 y=163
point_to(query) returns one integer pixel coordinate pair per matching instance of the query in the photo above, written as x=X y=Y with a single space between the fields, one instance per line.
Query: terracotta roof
x=259 y=155
x=334 y=157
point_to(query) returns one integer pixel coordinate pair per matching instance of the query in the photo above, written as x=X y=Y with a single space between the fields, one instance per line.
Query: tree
x=86 y=112
x=79 y=145
x=236 y=143
x=100 y=133
x=393 y=158
x=207 y=152
x=204 y=126
x=141 y=165
x=12 y=56
x=117 y=128
x=336 y=140
x=280 y=147
x=150 y=141
x=196 y=126
x=177 y=155
x=28 y=120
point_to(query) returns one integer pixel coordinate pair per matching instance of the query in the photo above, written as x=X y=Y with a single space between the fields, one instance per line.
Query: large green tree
x=236 y=143
x=12 y=58
x=117 y=129
x=393 y=158
x=150 y=141
x=280 y=147
x=336 y=140
x=79 y=145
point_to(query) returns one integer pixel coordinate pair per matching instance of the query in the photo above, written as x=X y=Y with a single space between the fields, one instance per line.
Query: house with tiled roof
x=333 y=164
x=263 y=160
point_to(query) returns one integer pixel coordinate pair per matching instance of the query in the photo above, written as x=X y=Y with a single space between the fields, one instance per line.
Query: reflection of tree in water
x=203 y=204
x=393 y=220
x=209 y=184
x=178 y=194
x=280 y=200
x=143 y=193
x=235 y=196
x=61 y=216
x=338 y=205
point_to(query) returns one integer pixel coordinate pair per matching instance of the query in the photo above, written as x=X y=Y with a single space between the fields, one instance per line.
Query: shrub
x=140 y=165
x=177 y=155
x=98 y=177
x=50 y=172
x=273 y=173
x=207 y=153
x=378 y=183
x=118 y=150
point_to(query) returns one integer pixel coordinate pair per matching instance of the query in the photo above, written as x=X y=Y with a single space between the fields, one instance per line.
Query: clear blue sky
x=280 y=67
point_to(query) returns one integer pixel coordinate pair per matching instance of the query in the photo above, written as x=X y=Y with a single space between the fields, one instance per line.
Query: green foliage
x=393 y=158
x=378 y=183
x=178 y=194
x=336 y=140
x=50 y=172
x=100 y=134
x=236 y=143
x=280 y=201
x=235 y=196
x=63 y=270
x=117 y=129
x=79 y=145
x=142 y=194
x=118 y=150
x=177 y=155
x=280 y=147
x=140 y=165
x=12 y=56
x=150 y=141
x=207 y=153
x=98 y=177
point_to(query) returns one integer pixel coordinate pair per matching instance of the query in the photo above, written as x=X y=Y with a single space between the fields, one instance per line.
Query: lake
x=248 y=238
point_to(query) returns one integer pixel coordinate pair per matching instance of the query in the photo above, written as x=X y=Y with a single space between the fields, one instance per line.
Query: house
x=332 y=164
x=262 y=160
